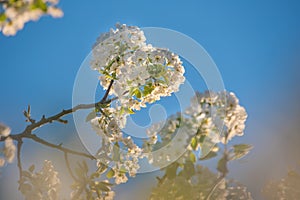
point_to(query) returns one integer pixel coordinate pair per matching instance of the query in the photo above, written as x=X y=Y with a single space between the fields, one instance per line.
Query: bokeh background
x=255 y=44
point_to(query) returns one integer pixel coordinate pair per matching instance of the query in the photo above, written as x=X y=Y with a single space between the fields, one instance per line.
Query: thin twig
x=223 y=175
x=19 y=146
x=69 y=167
x=107 y=91
x=58 y=147
x=219 y=180
x=43 y=121
x=78 y=193
x=27 y=133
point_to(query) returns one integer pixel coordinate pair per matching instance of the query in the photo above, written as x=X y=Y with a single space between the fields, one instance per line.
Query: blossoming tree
x=134 y=75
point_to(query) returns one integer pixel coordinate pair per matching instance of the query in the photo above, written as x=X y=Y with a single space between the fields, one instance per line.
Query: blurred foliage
x=90 y=187
x=286 y=188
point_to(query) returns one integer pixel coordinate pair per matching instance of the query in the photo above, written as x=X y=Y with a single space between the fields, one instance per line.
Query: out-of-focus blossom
x=211 y=118
x=219 y=113
x=4 y=130
x=44 y=184
x=8 y=150
x=16 y=13
x=2 y=162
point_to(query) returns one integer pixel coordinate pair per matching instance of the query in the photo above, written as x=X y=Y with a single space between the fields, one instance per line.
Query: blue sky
x=255 y=45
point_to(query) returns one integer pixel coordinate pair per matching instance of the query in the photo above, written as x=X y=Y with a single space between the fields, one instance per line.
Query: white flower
x=120 y=176
x=4 y=130
x=55 y=12
x=227 y=117
x=110 y=195
x=157 y=57
x=2 y=162
x=142 y=74
x=139 y=56
x=9 y=150
x=218 y=116
x=44 y=183
x=20 y=12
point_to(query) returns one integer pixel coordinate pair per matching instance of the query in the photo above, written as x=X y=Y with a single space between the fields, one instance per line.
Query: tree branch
x=58 y=147
x=34 y=125
x=19 y=146
x=107 y=92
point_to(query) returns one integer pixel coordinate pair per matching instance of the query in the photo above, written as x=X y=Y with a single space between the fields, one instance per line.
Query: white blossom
x=4 y=130
x=2 y=162
x=44 y=184
x=120 y=177
x=142 y=74
x=17 y=13
x=219 y=113
x=9 y=150
x=217 y=116
x=55 y=12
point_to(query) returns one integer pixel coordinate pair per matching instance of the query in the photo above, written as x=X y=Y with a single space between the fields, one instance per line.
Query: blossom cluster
x=135 y=73
x=221 y=114
x=167 y=141
x=141 y=73
x=211 y=118
x=44 y=184
x=9 y=149
x=17 y=13
x=117 y=151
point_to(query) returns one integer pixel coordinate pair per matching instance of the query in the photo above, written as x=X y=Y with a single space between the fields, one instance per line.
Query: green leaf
x=102 y=71
x=138 y=94
x=90 y=116
x=148 y=89
x=202 y=137
x=240 y=150
x=116 y=152
x=166 y=79
x=106 y=183
x=194 y=143
x=78 y=172
x=2 y=17
x=25 y=187
x=40 y=4
x=172 y=170
x=188 y=170
x=110 y=173
x=192 y=157
x=131 y=91
x=109 y=76
x=130 y=111
x=31 y=168
x=26 y=174
x=101 y=169
x=122 y=170
x=122 y=110
x=95 y=175
x=222 y=166
x=135 y=92
x=103 y=187
x=210 y=155
x=85 y=167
